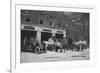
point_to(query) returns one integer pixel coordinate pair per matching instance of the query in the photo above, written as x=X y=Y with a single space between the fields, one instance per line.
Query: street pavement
x=27 y=57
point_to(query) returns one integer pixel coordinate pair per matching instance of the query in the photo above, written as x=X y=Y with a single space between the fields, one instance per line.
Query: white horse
x=53 y=44
x=80 y=44
x=49 y=42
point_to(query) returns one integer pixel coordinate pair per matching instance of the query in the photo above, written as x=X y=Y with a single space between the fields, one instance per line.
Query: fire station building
x=38 y=25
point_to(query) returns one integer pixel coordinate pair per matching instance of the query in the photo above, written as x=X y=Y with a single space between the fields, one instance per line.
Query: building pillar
x=39 y=36
x=64 y=35
x=53 y=34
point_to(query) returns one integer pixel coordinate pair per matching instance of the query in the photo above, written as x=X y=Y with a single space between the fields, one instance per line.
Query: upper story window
x=28 y=19
x=41 y=21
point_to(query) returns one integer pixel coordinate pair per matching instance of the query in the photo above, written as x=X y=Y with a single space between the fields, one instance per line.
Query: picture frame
x=16 y=65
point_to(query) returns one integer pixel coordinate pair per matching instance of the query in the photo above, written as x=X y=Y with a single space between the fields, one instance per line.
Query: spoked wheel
x=37 y=50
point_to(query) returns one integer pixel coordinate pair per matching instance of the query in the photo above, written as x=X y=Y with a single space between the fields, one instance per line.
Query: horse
x=65 y=45
x=49 y=45
x=58 y=45
x=80 y=45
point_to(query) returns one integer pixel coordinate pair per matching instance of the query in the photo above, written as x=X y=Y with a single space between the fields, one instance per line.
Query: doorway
x=45 y=36
x=59 y=36
x=27 y=34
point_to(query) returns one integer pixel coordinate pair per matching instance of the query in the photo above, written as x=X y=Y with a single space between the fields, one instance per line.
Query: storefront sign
x=29 y=27
x=59 y=31
x=46 y=30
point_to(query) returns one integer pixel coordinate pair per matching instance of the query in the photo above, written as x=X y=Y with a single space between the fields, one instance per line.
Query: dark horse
x=61 y=45
x=66 y=44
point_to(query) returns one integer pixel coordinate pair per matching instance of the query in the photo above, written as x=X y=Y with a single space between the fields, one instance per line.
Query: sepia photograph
x=47 y=36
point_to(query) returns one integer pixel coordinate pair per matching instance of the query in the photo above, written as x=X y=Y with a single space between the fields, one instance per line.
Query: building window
x=41 y=21
x=51 y=23
x=28 y=19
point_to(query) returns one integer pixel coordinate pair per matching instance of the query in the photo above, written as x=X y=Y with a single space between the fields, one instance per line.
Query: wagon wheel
x=37 y=50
